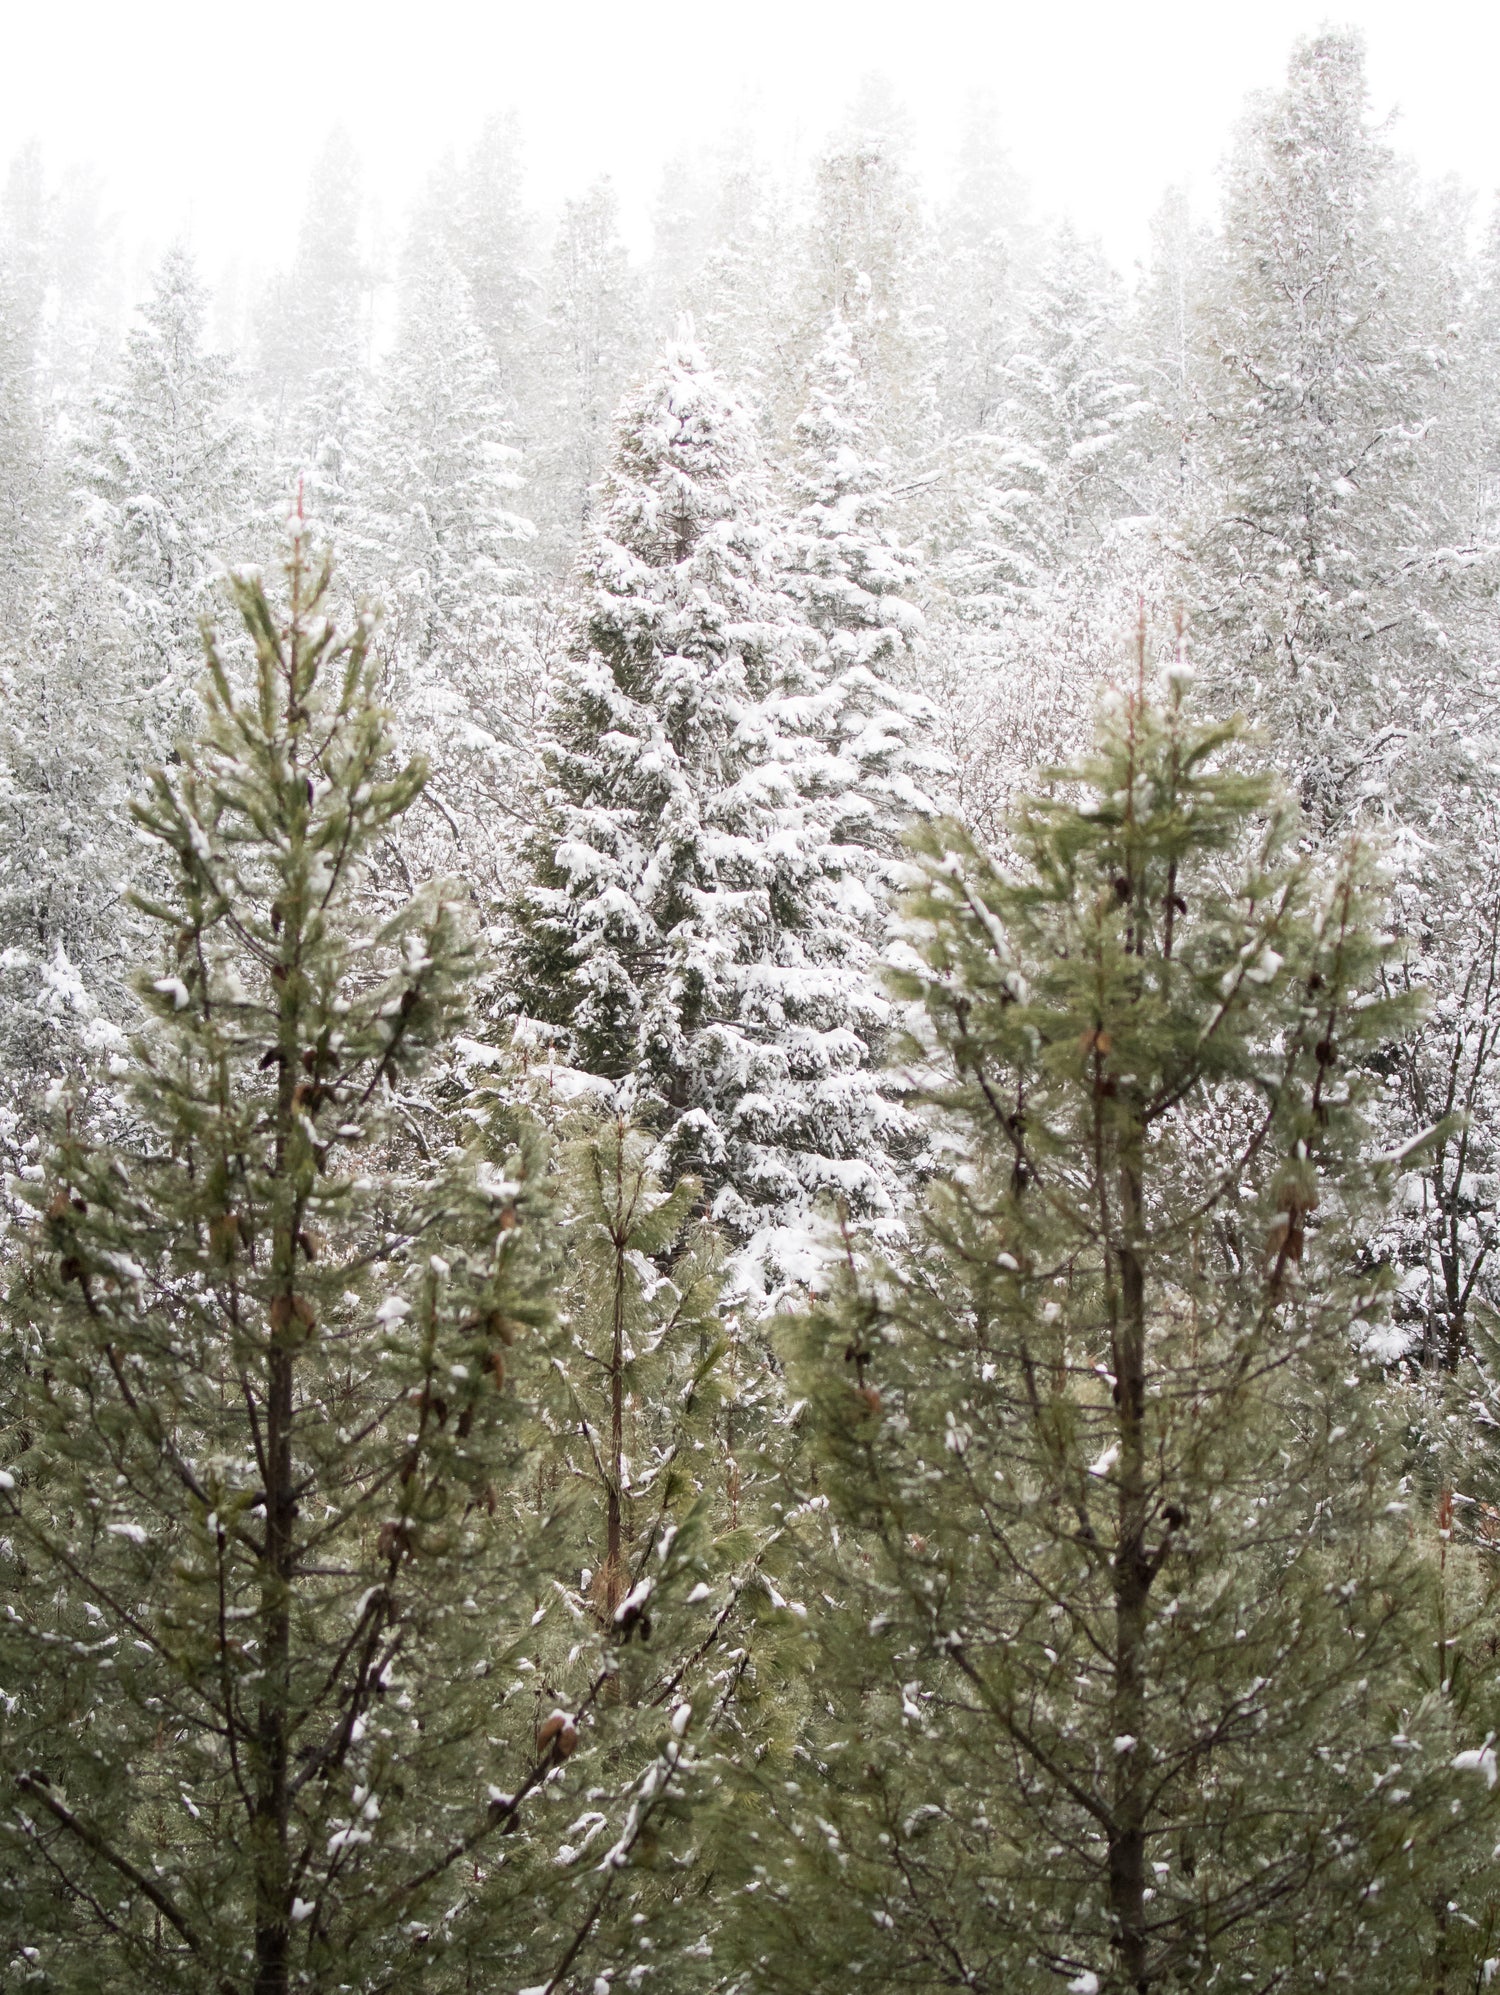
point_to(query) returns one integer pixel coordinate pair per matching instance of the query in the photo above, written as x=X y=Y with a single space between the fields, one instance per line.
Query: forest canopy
x=748 y=1077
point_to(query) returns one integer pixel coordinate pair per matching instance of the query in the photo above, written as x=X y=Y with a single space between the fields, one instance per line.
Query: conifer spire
x=703 y=913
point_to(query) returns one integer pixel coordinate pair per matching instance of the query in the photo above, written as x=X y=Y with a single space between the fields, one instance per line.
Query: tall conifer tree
x=700 y=922
x=268 y=1543
x=165 y=477
x=1124 y=1561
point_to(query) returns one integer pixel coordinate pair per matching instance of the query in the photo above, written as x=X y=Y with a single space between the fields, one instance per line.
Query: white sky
x=204 y=116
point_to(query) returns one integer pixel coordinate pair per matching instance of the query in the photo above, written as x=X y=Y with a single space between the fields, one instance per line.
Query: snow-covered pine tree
x=700 y=199
x=984 y=247
x=454 y=569
x=703 y=908
x=164 y=474
x=271 y=1530
x=328 y=469
x=855 y=587
x=1344 y=568
x=313 y=350
x=1317 y=589
x=65 y=706
x=987 y=529
x=493 y=245
x=1481 y=324
x=23 y=469
x=66 y=733
x=1071 y=402
x=100 y=682
x=315 y=317
x=1166 y=354
x=866 y=262
x=592 y=343
x=851 y=578
x=727 y=251
x=1017 y=523
x=1445 y=839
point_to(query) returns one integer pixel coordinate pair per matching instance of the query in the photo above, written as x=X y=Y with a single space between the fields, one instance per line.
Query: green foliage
x=645 y=1342
x=261 y=1560
x=1124 y=1656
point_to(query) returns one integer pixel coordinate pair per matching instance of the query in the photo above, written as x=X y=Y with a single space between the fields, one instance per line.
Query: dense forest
x=749 y=1084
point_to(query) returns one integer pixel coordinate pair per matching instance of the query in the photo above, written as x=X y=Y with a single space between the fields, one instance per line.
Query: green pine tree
x=1129 y=1669
x=268 y=1549
x=645 y=1344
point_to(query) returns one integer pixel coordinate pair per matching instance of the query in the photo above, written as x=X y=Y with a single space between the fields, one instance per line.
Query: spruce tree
x=454 y=559
x=65 y=828
x=728 y=252
x=1327 y=576
x=592 y=343
x=269 y=1548
x=1130 y=1665
x=702 y=914
x=23 y=482
x=492 y=244
x=165 y=484
x=983 y=239
x=1167 y=355
x=866 y=263
x=314 y=320
x=1343 y=565
x=1071 y=401
x=852 y=579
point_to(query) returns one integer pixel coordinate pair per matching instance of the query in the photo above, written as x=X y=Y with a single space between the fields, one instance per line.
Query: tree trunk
x=272 y=1796
x=1131 y=1581
x=614 y=1536
x=272 y=1909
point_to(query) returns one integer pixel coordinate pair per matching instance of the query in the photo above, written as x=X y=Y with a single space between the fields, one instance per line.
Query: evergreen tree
x=1122 y=1566
x=315 y=319
x=23 y=481
x=988 y=529
x=69 y=720
x=851 y=578
x=644 y=1342
x=1021 y=521
x=1319 y=575
x=331 y=469
x=165 y=487
x=866 y=261
x=1345 y=572
x=494 y=250
x=1071 y=401
x=985 y=247
x=448 y=470
x=267 y=1552
x=1167 y=356
x=1448 y=1223
x=454 y=568
x=312 y=340
x=593 y=342
x=728 y=253
x=1031 y=553
x=703 y=202
x=86 y=281
x=702 y=913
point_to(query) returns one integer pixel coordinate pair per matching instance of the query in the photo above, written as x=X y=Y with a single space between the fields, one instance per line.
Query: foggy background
x=202 y=123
